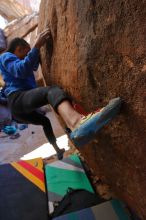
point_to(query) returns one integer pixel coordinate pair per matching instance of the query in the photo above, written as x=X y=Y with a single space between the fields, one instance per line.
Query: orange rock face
x=99 y=52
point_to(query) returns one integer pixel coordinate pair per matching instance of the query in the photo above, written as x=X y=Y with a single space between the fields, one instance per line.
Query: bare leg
x=69 y=115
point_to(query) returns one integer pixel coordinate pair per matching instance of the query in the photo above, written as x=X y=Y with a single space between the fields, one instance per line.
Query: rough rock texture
x=99 y=52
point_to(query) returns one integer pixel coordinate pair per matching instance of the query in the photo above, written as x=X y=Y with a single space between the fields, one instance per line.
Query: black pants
x=24 y=104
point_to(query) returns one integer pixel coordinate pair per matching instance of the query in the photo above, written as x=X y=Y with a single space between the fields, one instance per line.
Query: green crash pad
x=60 y=175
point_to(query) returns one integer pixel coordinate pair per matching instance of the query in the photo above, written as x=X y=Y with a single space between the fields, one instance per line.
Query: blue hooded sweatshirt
x=18 y=74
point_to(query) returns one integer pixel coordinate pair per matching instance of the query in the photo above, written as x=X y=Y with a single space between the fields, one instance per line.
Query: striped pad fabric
x=60 y=175
x=33 y=171
x=111 y=210
x=22 y=191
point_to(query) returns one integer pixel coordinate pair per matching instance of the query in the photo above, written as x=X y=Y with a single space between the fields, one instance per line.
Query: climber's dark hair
x=15 y=43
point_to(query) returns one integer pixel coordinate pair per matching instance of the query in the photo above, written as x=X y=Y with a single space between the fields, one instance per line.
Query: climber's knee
x=56 y=95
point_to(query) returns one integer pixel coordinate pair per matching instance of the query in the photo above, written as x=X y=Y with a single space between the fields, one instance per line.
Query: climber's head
x=19 y=47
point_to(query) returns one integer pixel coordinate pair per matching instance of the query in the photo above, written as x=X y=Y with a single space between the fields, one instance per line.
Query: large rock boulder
x=99 y=52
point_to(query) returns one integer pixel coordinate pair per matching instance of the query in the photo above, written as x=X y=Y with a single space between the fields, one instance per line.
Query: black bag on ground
x=76 y=199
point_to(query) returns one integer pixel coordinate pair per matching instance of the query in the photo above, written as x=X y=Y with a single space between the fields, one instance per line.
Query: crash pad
x=64 y=174
x=110 y=210
x=22 y=191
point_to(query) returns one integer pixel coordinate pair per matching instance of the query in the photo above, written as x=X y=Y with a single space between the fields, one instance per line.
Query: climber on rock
x=24 y=97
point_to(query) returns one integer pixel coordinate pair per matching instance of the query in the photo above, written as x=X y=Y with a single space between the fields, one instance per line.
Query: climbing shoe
x=92 y=123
